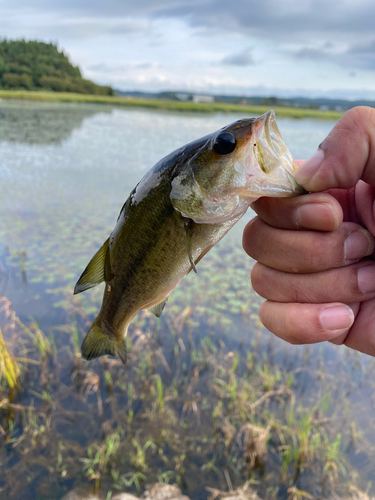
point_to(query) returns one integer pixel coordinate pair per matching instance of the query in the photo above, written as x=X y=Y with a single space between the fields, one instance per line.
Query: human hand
x=315 y=252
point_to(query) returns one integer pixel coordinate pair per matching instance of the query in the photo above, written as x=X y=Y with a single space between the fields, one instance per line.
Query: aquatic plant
x=9 y=369
x=208 y=399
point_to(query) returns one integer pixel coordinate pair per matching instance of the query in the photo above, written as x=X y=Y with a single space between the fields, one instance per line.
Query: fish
x=180 y=209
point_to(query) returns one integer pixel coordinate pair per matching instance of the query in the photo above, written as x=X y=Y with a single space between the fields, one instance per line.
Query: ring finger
x=354 y=283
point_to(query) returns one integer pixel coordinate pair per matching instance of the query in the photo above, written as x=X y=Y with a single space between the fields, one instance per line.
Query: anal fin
x=157 y=309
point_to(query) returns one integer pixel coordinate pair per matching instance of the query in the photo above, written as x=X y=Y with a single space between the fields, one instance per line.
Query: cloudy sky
x=251 y=47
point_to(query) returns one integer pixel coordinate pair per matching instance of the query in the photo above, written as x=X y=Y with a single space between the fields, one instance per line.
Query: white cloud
x=310 y=46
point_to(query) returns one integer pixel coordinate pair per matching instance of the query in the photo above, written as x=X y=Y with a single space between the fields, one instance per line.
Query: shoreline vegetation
x=169 y=105
x=34 y=65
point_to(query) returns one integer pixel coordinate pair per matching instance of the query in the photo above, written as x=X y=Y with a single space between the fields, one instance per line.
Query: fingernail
x=358 y=245
x=313 y=215
x=366 y=279
x=304 y=173
x=337 y=318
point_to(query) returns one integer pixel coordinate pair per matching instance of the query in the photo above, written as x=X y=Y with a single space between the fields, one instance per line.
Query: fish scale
x=181 y=208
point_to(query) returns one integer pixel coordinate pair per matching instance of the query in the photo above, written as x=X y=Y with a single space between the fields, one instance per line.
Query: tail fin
x=97 y=343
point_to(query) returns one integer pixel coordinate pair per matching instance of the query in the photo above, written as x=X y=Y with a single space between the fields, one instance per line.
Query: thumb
x=346 y=155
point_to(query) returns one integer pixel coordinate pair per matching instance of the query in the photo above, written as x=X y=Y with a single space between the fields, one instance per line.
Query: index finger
x=316 y=211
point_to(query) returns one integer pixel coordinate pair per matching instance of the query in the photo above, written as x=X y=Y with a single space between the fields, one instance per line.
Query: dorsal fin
x=96 y=271
x=157 y=309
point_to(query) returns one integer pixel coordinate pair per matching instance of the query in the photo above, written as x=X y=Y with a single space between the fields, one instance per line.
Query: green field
x=167 y=105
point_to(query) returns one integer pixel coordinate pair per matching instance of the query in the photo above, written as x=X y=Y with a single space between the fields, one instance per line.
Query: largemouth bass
x=180 y=209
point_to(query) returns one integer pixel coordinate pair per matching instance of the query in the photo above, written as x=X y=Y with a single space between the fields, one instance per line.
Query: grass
x=9 y=370
x=208 y=399
x=166 y=104
x=206 y=417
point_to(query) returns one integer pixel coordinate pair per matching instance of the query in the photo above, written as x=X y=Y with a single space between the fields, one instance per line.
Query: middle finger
x=306 y=251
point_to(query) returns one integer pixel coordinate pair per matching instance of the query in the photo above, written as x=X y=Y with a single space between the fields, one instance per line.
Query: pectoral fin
x=97 y=270
x=188 y=224
x=157 y=309
x=206 y=250
x=201 y=256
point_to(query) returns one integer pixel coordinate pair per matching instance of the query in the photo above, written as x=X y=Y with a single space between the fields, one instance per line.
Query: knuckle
x=358 y=121
x=323 y=251
x=306 y=331
x=250 y=235
x=326 y=250
x=256 y=278
x=348 y=143
x=303 y=293
x=371 y=340
x=360 y=116
x=295 y=341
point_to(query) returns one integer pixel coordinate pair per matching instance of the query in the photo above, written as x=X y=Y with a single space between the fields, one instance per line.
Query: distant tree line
x=34 y=65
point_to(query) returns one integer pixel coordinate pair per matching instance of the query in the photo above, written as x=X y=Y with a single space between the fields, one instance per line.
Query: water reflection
x=42 y=124
x=202 y=383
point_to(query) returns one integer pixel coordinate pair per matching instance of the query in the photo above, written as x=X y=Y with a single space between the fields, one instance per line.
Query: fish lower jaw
x=224 y=215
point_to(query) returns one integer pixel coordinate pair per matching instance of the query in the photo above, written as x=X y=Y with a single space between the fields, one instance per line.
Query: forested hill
x=36 y=65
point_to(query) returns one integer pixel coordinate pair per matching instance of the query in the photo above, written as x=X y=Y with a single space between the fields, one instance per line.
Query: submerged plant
x=159 y=387
x=208 y=398
x=334 y=462
x=130 y=479
x=100 y=459
x=295 y=494
x=138 y=459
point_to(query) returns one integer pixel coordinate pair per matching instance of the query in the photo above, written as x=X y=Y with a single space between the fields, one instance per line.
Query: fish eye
x=225 y=143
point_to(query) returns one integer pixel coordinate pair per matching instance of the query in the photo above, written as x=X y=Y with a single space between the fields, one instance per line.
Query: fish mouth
x=271 y=148
x=273 y=158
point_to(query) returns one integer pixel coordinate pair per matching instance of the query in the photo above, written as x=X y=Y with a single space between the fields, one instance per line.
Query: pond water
x=208 y=398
